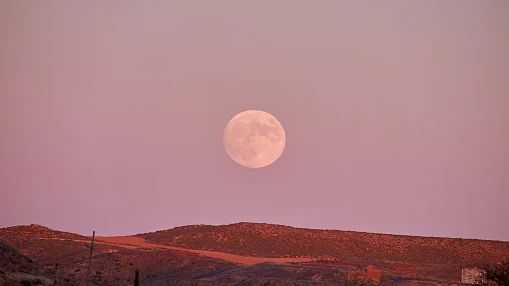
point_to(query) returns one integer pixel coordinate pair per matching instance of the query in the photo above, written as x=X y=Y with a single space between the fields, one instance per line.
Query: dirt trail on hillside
x=132 y=242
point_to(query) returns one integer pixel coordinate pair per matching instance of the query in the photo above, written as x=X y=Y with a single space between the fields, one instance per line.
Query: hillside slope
x=330 y=256
x=17 y=269
x=36 y=231
x=265 y=240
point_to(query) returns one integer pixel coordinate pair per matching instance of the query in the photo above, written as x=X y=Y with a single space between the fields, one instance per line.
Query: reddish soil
x=249 y=254
x=133 y=242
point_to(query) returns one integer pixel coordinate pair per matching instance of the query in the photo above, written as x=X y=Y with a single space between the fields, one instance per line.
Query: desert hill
x=111 y=265
x=269 y=255
x=266 y=240
x=35 y=231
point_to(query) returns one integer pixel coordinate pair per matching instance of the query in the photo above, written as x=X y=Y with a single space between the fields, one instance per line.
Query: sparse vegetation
x=264 y=240
x=360 y=282
x=495 y=274
x=32 y=282
x=16 y=268
x=339 y=253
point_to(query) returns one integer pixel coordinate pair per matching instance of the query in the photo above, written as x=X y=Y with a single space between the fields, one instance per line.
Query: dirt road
x=133 y=242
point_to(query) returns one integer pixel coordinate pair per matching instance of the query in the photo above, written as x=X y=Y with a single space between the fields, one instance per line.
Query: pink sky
x=396 y=114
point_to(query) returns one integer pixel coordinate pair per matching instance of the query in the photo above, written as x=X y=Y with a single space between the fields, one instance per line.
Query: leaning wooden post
x=90 y=258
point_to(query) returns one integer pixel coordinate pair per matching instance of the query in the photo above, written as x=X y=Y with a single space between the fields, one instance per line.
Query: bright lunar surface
x=254 y=139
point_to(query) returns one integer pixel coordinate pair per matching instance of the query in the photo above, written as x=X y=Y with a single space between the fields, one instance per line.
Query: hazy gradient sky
x=396 y=114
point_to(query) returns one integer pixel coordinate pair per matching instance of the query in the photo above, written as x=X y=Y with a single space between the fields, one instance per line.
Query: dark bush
x=137 y=278
x=495 y=273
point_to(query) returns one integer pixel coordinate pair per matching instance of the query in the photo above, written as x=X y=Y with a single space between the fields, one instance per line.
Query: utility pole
x=90 y=258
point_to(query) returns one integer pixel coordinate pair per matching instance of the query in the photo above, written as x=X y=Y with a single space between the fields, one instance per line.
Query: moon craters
x=254 y=139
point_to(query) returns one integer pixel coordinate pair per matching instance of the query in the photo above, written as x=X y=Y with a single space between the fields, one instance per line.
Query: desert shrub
x=398 y=279
x=137 y=278
x=495 y=274
x=360 y=282
x=28 y=282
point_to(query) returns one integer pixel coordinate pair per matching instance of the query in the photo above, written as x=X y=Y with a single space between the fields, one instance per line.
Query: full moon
x=254 y=139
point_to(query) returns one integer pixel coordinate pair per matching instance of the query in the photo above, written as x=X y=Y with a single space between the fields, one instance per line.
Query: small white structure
x=471 y=275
